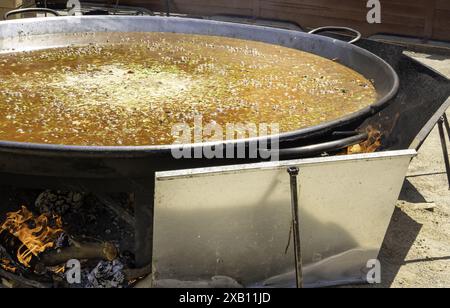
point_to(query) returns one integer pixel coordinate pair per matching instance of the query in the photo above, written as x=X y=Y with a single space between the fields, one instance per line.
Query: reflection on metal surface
x=235 y=221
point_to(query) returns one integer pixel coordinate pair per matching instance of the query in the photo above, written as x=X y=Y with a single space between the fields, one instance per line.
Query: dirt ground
x=416 y=251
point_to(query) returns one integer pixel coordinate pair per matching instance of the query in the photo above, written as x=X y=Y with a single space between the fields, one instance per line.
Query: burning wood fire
x=6 y=265
x=36 y=252
x=372 y=144
x=36 y=234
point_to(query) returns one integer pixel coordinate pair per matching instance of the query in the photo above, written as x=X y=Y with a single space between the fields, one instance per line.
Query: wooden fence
x=428 y=19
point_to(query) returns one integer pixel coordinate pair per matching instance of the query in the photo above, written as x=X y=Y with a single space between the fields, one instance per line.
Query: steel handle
x=331 y=28
x=31 y=10
x=324 y=147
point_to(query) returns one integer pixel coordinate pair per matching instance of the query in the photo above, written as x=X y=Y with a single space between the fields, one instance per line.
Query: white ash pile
x=107 y=274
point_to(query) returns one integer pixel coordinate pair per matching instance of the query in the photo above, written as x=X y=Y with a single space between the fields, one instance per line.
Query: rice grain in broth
x=133 y=88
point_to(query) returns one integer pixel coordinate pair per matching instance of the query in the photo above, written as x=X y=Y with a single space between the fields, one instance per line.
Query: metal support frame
x=443 y=122
x=293 y=173
x=143 y=210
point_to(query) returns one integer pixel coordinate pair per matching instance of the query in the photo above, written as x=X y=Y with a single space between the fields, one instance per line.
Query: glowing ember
x=59 y=269
x=37 y=234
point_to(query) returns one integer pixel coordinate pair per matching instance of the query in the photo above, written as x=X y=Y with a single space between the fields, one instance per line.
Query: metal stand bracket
x=443 y=121
x=293 y=173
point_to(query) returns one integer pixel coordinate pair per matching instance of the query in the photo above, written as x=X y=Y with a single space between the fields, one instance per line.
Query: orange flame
x=35 y=239
x=372 y=143
x=59 y=269
x=6 y=265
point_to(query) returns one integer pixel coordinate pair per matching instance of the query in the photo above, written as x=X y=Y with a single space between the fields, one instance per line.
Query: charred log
x=81 y=251
x=17 y=281
x=136 y=273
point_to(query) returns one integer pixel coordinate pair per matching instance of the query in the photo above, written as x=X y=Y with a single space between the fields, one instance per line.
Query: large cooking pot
x=132 y=169
x=140 y=161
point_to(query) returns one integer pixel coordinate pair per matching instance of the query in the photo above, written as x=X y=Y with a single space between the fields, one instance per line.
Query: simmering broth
x=134 y=87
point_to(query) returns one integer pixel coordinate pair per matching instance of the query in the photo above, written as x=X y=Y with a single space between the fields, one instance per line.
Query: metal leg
x=143 y=209
x=293 y=172
x=168 y=8
x=441 y=123
x=447 y=125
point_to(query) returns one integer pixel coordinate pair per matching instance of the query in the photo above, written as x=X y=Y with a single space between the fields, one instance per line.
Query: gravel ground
x=416 y=251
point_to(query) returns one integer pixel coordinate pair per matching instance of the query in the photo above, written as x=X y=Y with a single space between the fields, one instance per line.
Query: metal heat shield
x=235 y=221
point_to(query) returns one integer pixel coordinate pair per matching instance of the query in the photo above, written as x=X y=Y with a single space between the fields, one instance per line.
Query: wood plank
x=441 y=30
x=419 y=18
x=430 y=12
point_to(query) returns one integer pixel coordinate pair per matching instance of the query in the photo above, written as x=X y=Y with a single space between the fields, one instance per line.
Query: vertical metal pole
x=143 y=211
x=444 y=148
x=167 y=8
x=447 y=125
x=293 y=173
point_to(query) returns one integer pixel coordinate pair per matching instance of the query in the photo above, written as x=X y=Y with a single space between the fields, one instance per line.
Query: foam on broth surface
x=132 y=88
